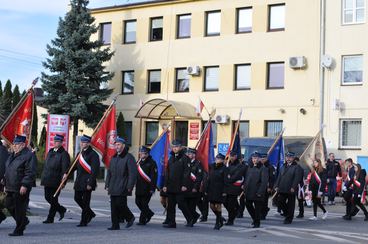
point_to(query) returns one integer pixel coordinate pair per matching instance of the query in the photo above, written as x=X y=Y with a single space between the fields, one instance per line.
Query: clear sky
x=26 y=27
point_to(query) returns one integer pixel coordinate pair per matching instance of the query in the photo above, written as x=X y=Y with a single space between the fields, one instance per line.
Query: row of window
x=244 y=16
x=275 y=78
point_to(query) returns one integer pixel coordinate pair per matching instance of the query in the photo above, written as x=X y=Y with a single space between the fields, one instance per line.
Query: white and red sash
x=316 y=176
x=238 y=182
x=145 y=177
x=356 y=183
x=84 y=164
x=193 y=177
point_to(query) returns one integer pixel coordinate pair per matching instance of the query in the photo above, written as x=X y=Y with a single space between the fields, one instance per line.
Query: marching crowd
x=232 y=182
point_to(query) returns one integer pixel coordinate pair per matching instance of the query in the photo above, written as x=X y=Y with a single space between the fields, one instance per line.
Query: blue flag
x=160 y=153
x=276 y=155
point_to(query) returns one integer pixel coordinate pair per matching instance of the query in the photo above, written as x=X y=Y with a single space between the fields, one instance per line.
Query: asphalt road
x=332 y=230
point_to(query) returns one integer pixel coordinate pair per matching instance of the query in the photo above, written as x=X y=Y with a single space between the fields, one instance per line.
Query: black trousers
x=241 y=205
x=54 y=202
x=317 y=203
x=357 y=201
x=119 y=209
x=174 y=199
x=17 y=206
x=142 y=203
x=301 y=206
x=264 y=207
x=83 y=199
x=287 y=205
x=254 y=209
x=203 y=205
x=192 y=202
x=232 y=206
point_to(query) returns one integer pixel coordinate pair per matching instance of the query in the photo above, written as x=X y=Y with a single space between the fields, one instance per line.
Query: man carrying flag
x=146 y=184
x=87 y=171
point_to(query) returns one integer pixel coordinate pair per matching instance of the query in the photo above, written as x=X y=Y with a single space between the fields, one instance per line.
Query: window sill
x=242 y=89
x=153 y=92
x=210 y=90
x=353 y=23
x=182 y=37
x=243 y=32
x=127 y=43
x=276 y=30
x=211 y=35
x=275 y=88
x=352 y=84
x=350 y=148
x=181 y=91
x=123 y=94
x=155 y=40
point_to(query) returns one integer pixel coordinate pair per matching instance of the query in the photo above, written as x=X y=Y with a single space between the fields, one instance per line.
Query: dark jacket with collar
x=4 y=154
x=314 y=185
x=56 y=165
x=333 y=169
x=214 y=184
x=290 y=176
x=256 y=182
x=174 y=177
x=193 y=176
x=18 y=171
x=83 y=177
x=234 y=174
x=121 y=175
x=149 y=167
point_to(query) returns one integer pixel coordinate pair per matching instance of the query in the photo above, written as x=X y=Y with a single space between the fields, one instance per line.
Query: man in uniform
x=174 y=187
x=56 y=165
x=271 y=179
x=146 y=184
x=287 y=186
x=87 y=170
x=333 y=170
x=19 y=178
x=120 y=180
x=4 y=154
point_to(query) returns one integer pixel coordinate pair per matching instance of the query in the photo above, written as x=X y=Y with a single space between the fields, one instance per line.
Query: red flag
x=19 y=121
x=199 y=107
x=103 y=140
x=205 y=148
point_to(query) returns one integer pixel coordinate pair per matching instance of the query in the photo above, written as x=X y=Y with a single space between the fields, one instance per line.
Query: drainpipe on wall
x=321 y=54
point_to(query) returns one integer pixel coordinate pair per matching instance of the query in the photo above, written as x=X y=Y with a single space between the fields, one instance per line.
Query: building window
x=130 y=28
x=184 y=26
x=244 y=20
x=273 y=128
x=128 y=128
x=275 y=75
x=213 y=23
x=181 y=80
x=353 y=11
x=105 y=33
x=214 y=131
x=242 y=76
x=243 y=129
x=128 y=82
x=352 y=70
x=154 y=81
x=181 y=132
x=156 y=29
x=151 y=132
x=276 y=17
x=211 y=76
x=350 y=133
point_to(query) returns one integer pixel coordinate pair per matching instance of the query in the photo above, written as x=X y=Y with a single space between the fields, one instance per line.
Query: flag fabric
x=315 y=150
x=103 y=140
x=235 y=145
x=276 y=154
x=199 y=107
x=19 y=121
x=205 y=148
x=160 y=153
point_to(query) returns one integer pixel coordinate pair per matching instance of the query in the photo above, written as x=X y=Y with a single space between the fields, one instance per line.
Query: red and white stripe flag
x=199 y=107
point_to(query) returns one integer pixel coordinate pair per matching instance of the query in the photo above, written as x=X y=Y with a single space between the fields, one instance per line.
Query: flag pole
x=205 y=128
x=34 y=82
x=275 y=142
x=159 y=137
x=71 y=168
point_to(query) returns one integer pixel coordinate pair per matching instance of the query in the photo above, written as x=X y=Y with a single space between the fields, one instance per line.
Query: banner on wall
x=57 y=124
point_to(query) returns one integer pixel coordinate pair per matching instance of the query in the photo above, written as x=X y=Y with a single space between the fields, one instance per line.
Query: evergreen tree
x=120 y=126
x=1 y=90
x=42 y=142
x=34 y=125
x=76 y=84
x=16 y=96
x=7 y=98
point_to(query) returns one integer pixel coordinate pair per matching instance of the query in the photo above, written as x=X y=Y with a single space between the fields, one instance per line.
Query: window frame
x=271 y=121
x=149 y=79
x=125 y=22
x=205 y=78
x=123 y=82
x=130 y=123
x=145 y=130
x=341 y=147
x=207 y=13
x=354 y=22
x=178 y=26
x=268 y=76
x=342 y=82
x=151 y=29
x=269 y=18
x=237 y=20
x=236 y=77
x=176 y=90
x=101 y=33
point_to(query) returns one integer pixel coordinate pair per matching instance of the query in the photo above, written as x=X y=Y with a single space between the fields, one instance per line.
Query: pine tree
x=120 y=126
x=42 y=142
x=16 y=96
x=7 y=98
x=34 y=125
x=76 y=84
x=1 y=89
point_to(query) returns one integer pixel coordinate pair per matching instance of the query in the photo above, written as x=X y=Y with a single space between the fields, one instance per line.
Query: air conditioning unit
x=297 y=62
x=222 y=119
x=194 y=70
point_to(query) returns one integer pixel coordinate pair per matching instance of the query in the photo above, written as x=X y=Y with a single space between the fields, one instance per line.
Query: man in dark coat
x=4 y=154
x=56 y=165
x=255 y=188
x=271 y=180
x=120 y=181
x=333 y=170
x=87 y=170
x=192 y=181
x=19 y=178
x=287 y=185
x=234 y=180
x=174 y=186
x=146 y=184
x=203 y=202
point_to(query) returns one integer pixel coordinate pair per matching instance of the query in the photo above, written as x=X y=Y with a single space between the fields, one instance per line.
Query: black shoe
x=148 y=219
x=195 y=219
x=48 y=221
x=287 y=222
x=217 y=227
x=165 y=222
x=114 y=228
x=169 y=225
x=355 y=212
x=229 y=223
x=203 y=219
x=141 y=223
x=62 y=213
x=90 y=217
x=130 y=223
x=300 y=216
x=82 y=224
x=16 y=233
x=190 y=223
x=256 y=226
x=347 y=217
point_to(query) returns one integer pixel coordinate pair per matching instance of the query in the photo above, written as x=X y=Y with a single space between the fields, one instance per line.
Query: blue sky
x=26 y=27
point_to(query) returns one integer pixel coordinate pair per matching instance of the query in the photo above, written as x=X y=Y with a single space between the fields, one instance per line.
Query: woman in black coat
x=317 y=183
x=215 y=188
x=358 y=185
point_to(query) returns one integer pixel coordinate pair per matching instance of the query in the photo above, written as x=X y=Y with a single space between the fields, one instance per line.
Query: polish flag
x=199 y=107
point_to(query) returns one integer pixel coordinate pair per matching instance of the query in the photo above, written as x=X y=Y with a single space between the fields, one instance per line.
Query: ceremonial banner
x=205 y=148
x=160 y=153
x=314 y=150
x=57 y=124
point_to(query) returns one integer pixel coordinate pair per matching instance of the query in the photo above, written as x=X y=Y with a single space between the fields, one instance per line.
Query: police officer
x=19 y=178
x=287 y=185
x=174 y=186
x=192 y=181
x=214 y=188
x=120 y=180
x=4 y=154
x=87 y=170
x=146 y=184
x=233 y=183
x=255 y=188
x=271 y=180
x=56 y=165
